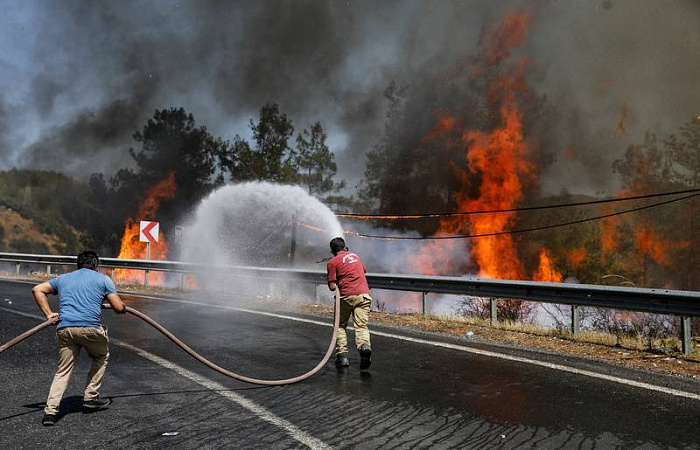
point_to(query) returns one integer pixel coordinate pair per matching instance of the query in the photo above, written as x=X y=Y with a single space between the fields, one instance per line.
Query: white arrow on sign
x=148 y=231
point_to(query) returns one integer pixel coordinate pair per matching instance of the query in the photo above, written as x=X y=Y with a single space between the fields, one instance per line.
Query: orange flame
x=649 y=243
x=546 y=270
x=577 y=257
x=609 y=235
x=499 y=43
x=132 y=248
x=498 y=158
x=190 y=281
x=445 y=124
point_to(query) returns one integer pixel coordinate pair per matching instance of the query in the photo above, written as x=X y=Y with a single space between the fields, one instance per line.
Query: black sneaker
x=49 y=420
x=96 y=403
x=365 y=356
x=342 y=360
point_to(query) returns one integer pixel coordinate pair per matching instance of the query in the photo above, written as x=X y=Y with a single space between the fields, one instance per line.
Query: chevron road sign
x=148 y=231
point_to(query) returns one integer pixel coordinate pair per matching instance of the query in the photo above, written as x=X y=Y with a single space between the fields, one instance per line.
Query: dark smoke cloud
x=98 y=70
x=78 y=147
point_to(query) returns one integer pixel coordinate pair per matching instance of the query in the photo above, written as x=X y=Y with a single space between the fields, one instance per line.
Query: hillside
x=41 y=212
x=21 y=235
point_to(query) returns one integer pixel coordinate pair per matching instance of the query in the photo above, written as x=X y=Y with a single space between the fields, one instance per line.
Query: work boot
x=49 y=420
x=365 y=356
x=342 y=360
x=96 y=403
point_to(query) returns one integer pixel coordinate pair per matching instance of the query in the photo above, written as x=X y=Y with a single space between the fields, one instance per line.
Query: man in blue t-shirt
x=80 y=297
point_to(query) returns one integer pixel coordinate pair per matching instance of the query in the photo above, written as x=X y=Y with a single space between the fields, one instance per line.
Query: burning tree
x=131 y=247
x=663 y=249
x=172 y=143
x=477 y=157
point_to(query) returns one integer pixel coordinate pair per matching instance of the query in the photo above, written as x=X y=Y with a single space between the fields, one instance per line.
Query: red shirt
x=348 y=272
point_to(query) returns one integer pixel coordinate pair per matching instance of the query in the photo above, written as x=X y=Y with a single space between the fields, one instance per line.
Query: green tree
x=666 y=248
x=272 y=158
x=103 y=227
x=315 y=163
x=271 y=135
x=171 y=142
x=56 y=203
x=645 y=167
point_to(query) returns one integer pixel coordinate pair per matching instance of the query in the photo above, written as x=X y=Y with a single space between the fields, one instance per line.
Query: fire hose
x=196 y=355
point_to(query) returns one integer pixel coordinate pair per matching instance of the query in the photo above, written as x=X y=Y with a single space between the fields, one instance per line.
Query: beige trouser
x=70 y=341
x=358 y=306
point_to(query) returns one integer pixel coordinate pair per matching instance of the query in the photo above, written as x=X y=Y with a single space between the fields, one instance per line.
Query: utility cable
x=199 y=357
x=521 y=230
x=509 y=210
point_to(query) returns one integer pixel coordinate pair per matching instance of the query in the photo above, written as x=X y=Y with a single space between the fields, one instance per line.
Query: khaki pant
x=70 y=341
x=358 y=306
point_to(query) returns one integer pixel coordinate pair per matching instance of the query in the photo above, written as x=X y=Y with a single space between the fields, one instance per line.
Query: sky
x=79 y=78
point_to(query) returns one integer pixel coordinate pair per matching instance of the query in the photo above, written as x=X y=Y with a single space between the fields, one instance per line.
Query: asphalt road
x=418 y=393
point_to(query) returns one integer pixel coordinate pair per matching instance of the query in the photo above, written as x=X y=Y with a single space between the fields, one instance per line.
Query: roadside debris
x=170 y=433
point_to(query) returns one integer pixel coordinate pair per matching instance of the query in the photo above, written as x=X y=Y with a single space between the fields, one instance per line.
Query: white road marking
x=259 y=411
x=462 y=348
x=491 y=354
x=264 y=414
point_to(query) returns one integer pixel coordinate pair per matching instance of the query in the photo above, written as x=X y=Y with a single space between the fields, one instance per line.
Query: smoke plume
x=89 y=74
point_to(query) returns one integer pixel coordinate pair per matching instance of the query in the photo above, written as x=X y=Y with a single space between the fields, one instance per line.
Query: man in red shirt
x=347 y=273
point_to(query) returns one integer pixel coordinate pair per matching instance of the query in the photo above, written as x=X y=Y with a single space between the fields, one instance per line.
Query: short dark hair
x=337 y=245
x=88 y=260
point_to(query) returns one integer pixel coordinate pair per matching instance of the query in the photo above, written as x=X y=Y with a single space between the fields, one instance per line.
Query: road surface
x=423 y=390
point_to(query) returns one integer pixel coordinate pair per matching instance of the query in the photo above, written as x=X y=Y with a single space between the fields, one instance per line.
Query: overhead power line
x=520 y=230
x=510 y=210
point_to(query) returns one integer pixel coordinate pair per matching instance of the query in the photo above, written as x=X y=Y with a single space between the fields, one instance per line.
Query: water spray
x=196 y=355
x=249 y=223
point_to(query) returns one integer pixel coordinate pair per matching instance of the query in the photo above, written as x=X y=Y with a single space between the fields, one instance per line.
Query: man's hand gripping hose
x=199 y=357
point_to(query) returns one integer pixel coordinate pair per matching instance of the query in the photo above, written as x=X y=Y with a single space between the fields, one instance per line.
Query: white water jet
x=253 y=224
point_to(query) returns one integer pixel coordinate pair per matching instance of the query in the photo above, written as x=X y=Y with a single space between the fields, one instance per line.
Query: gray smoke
x=4 y=144
x=91 y=73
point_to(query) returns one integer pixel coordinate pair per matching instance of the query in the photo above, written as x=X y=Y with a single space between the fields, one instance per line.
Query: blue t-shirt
x=80 y=297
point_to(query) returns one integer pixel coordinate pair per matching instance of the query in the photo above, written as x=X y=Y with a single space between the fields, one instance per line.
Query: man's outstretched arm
x=41 y=296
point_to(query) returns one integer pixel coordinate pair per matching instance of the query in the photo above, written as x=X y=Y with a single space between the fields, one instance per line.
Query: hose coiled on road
x=199 y=357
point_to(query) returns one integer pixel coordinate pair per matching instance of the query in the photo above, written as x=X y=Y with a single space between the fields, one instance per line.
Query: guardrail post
x=494 y=310
x=686 y=338
x=17 y=269
x=145 y=278
x=575 y=319
x=423 y=302
x=182 y=281
x=114 y=273
x=48 y=269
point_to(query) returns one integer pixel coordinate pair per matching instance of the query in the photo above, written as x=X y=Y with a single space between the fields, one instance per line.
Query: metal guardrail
x=660 y=301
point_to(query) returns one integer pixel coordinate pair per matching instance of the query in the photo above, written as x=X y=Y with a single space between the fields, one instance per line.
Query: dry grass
x=663 y=357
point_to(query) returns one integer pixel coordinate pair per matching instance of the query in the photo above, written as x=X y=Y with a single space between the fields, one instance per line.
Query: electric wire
x=517 y=231
x=365 y=216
